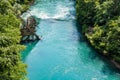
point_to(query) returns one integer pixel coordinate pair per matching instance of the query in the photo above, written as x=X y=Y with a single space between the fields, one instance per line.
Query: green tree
x=101 y=24
x=11 y=66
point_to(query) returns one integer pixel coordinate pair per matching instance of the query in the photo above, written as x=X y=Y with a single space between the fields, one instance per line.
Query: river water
x=62 y=54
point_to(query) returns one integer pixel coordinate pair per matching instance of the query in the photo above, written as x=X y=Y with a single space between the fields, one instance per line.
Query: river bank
x=108 y=58
x=11 y=65
x=96 y=33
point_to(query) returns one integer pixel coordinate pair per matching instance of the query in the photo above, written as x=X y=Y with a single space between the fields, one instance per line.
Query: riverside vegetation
x=100 y=20
x=11 y=66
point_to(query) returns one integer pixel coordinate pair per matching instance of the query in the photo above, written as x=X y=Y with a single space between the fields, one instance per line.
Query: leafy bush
x=102 y=18
x=11 y=66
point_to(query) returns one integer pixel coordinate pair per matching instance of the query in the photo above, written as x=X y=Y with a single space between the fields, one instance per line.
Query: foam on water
x=63 y=13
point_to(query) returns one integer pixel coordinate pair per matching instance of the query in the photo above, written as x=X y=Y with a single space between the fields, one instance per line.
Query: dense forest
x=100 y=21
x=11 y=66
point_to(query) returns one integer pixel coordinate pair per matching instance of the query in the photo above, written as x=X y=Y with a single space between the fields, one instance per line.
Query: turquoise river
x=62 y=54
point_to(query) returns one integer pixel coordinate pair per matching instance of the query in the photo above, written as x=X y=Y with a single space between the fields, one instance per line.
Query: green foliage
x=102 y=18
x=4 y=6
x=11 y=66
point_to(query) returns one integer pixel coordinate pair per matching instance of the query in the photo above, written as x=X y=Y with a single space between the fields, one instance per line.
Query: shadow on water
x=93 y=55
x=107 y=68
x=29 y=47
x=79 y=29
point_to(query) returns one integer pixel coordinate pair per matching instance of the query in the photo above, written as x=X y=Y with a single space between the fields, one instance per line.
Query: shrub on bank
x=100 y=20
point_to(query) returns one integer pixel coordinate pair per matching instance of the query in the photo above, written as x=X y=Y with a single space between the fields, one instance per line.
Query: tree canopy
x=11 y=66
x=100 y=20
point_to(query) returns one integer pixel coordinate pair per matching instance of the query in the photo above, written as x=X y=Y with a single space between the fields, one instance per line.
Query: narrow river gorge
x=62 y=54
